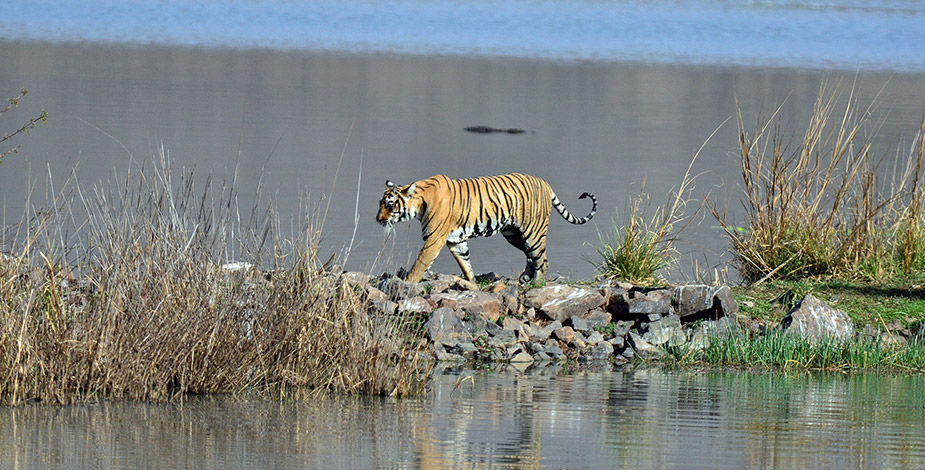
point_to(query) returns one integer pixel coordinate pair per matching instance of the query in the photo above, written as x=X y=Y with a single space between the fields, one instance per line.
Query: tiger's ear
x=389 y=184
x=409 y=191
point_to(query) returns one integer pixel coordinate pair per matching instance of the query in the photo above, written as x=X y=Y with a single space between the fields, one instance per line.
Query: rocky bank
x=499 y=320
x=502 y=321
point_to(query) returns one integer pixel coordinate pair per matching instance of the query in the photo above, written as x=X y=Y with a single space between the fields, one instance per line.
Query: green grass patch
x=867 y=303
x=782 y=350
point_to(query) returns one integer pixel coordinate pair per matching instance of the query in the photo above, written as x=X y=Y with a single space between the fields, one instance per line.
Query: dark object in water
x=491 y=130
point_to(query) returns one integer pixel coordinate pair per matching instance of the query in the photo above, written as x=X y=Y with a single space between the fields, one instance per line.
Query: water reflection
x=648 y=419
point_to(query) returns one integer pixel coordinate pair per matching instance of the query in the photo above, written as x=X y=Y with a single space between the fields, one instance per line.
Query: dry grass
x=822 y=210
x=119 y=292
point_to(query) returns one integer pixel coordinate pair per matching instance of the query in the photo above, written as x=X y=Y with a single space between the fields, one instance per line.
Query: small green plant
x=607 y=330
x=636 y=251
x=483 y=349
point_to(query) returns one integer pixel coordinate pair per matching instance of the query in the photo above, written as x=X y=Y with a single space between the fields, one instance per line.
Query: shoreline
x=500 y=321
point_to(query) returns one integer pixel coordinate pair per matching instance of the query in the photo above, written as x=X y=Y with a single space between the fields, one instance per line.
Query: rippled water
x=843 y=34
x=645 y=419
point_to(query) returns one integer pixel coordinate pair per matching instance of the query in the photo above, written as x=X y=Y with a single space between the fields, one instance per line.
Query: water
x=842 y=34
x=645 y=419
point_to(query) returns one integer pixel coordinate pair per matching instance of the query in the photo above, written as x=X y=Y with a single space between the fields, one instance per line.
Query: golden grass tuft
x=822 y=209
x=131 y=300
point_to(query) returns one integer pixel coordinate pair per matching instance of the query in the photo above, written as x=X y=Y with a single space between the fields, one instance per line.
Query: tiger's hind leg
x=535 y=250
x=460 y=252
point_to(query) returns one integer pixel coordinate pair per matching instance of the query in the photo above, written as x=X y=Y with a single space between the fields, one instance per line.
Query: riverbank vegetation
x=783 y=350
x=118 y=290
x=828 y=208
x=824 y=217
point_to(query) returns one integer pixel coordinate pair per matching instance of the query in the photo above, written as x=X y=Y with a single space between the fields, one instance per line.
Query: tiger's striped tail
x=571 y=218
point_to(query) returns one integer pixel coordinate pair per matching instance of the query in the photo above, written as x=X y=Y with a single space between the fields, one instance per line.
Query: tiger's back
x=453 y=210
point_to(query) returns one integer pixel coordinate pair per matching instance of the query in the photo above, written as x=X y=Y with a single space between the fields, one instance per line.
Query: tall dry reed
x=824 y=208
x=119 y=291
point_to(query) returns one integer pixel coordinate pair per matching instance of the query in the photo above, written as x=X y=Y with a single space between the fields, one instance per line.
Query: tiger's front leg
x=460 y=252
x=426 y=257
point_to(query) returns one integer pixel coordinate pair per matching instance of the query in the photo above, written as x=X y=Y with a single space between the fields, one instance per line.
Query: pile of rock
x=505 y=322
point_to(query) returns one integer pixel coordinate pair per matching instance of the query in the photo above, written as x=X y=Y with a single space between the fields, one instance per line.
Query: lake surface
x=643 y=419
x=832 y=34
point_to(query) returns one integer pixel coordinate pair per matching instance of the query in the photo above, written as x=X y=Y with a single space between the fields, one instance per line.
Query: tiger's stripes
x=453 y=210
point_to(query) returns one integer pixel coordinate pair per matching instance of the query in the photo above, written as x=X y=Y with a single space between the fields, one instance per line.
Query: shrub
x=138 y=304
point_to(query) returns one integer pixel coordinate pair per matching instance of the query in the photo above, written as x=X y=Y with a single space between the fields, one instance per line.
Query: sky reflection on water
x=839 y=34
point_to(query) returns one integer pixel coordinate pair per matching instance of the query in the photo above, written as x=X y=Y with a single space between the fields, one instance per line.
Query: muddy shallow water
x=503 y=419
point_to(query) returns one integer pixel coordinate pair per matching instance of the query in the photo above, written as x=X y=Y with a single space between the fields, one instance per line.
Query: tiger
x=453 y=210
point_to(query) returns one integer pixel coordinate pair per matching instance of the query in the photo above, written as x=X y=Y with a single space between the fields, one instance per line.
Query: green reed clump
x=138 y=305
x=636 y=251
x=780 y=349
x=821 y=209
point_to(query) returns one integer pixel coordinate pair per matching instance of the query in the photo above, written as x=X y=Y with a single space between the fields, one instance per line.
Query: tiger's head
x=396 y=204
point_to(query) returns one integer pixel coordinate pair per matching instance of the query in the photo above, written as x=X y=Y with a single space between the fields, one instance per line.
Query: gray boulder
x=652 y=304
x=445 y=327
x=397 y=289
x=701 y=301
x=482 y=304
x=813 y=319
x=561 y=302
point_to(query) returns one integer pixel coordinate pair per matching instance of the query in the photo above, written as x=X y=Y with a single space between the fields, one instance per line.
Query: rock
x=595 y=337
x=544 y=352
x=618 y=342
x=445 y=327
x=665 y=331
x=463 y=284
x=511 y=304
x=622 y=327
x=813 y=319
x=442 y=355
x=636 y=303
x=515 y=325
x=643 y=348
x=539 y=333
x=596 y=318
x=565 y=334
x=435 y=286
x=416 y=305
x=578 y=324
x=379 y=302
x=599 y=352
x=478 y=325
x=478 y=303
x=375 y=295
x=703 y=302
x=561 y=302
x=397 y=289
x=356 y=279
x=522 y=357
